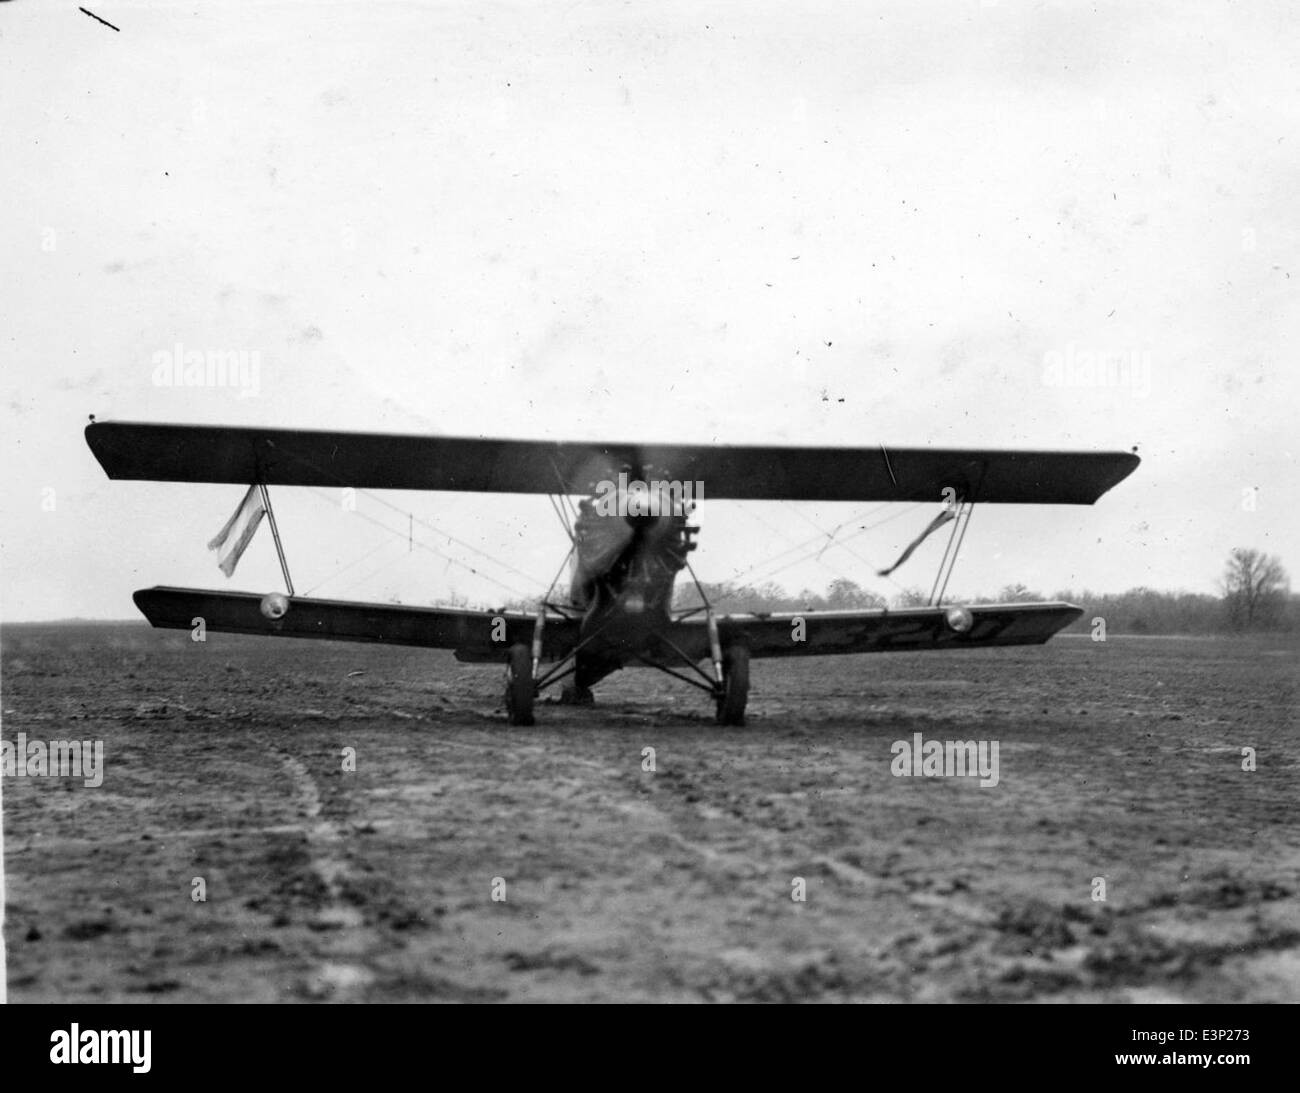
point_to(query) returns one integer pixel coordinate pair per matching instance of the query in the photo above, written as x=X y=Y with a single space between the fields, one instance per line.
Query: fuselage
x=629 y=546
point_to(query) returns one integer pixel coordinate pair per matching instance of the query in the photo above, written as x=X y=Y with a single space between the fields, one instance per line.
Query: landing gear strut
x=520 y=691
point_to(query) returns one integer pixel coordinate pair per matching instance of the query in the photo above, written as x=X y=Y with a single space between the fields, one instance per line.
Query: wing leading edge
x=201 y=453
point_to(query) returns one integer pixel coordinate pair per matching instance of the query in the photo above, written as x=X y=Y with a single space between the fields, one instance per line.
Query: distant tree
x=1018 y=593
x=808 y=600
x=911 y=597
x=1255 y=589
x=1147 y=611
x=845 y=595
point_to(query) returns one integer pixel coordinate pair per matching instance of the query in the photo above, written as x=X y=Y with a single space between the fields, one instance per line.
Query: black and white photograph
x=627 y=502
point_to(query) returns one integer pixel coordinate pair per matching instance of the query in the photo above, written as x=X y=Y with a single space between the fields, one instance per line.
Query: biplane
x=631 y=537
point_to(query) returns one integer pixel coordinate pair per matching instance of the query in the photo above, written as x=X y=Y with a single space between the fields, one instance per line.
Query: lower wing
x=484 y=636
x=823 y=633
x=474 y=635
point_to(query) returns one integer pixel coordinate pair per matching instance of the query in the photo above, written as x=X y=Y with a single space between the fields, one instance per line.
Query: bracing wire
x=451 y=538
x=422 y=522
x=515 y=592
x=815 y=541
x=355 y=561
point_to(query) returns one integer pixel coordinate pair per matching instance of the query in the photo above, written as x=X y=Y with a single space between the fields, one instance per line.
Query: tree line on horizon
x=1254 y=596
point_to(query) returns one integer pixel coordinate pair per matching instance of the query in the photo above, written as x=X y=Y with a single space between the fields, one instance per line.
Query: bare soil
x=223 y=761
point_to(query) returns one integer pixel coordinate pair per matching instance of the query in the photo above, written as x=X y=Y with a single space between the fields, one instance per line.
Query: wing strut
x=950 y=552
x=275 y=534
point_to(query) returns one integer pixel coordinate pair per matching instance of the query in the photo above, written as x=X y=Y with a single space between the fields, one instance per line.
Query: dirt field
x=223 y=761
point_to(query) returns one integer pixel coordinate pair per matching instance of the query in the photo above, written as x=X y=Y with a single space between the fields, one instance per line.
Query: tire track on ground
x=347 y=942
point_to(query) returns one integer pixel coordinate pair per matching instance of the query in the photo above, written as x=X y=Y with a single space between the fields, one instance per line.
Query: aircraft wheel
x=735 y=685
x=519 y=685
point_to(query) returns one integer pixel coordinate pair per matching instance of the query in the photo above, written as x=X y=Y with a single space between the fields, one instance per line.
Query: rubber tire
x=519 y=685
x=735 y=685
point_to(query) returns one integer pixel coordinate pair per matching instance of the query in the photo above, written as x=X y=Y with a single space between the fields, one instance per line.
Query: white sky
x=682 y=222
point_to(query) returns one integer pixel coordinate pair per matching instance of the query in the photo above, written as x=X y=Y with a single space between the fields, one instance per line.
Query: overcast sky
x=837 y=223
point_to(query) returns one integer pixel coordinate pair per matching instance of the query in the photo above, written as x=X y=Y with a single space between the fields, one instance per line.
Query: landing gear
x=573 y=695
x=519 y=685
x=734 y=692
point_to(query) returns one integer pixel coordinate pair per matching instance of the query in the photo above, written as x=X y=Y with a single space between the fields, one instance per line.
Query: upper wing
x=474 y=635
x=828 y=632
x=202 y=453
